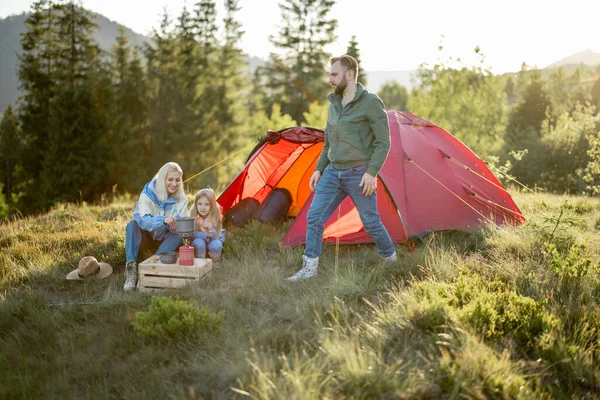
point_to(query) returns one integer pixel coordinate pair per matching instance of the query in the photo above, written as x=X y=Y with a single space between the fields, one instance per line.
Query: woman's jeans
x=201 y=243
x=332 y=188
x=135 y=237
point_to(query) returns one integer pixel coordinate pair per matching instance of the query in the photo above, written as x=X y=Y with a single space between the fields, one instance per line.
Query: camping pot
x=184 y=225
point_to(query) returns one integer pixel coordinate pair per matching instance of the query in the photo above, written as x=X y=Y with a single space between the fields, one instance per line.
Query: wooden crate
x=153 y=274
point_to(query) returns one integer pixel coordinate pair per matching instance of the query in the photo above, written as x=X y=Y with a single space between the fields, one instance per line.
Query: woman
x=161 y=201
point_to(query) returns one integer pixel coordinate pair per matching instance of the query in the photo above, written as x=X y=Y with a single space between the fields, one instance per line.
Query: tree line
x=92 y=122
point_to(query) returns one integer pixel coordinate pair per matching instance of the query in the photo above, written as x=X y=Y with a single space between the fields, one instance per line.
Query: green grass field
x=503 y=313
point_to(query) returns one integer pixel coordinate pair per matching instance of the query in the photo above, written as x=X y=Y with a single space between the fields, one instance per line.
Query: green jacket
x=357 y=134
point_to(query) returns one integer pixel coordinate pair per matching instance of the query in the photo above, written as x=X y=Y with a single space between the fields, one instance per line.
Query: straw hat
x=89 y=267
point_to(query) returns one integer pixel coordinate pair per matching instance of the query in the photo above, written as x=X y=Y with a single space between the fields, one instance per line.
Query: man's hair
x=348 y=62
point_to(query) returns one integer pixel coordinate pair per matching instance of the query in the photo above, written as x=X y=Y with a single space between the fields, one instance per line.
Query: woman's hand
x=170 y=221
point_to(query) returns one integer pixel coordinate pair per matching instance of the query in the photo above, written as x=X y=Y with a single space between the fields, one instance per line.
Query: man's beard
x=339 y=88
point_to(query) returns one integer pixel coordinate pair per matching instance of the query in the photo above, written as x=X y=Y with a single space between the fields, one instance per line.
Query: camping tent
x=430 y=181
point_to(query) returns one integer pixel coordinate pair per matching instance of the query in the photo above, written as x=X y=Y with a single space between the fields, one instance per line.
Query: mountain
x=586 y=57
x=11 y=29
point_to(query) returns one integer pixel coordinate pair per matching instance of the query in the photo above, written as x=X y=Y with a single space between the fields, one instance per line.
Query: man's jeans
x=135 y=237
x=333 y=187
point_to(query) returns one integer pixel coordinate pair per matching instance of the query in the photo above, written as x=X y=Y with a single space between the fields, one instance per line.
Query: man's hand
x=170 y=221
x=368 y=183
x=314 y=179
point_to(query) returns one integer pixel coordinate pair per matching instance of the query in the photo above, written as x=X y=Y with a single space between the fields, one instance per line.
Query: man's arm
x=378 y=121
x=324 y=158
x=322 y=163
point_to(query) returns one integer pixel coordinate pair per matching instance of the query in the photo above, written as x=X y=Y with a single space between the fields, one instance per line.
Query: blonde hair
x=160 y=187
x=348 y=62
x=214 y=215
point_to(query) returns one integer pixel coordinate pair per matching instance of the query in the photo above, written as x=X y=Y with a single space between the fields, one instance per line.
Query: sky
x=399 y=35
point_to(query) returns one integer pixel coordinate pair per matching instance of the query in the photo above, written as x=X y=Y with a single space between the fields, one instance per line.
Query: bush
x=507 y=314
x=572 y=268
x=498 y=312
x=172 y=319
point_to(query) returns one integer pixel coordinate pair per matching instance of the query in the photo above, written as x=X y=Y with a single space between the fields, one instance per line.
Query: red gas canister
x=186 y=255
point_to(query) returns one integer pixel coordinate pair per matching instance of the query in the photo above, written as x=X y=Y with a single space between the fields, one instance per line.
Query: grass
x=503 y=313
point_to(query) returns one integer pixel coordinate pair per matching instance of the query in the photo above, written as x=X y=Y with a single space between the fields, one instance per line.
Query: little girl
x=208 y=232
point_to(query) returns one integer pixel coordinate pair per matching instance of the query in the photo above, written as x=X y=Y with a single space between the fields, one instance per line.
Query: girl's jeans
x=202 y=243
x=333 y=187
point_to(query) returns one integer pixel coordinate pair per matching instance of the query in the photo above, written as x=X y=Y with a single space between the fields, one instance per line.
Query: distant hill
x=10 y=47
x=586 y=57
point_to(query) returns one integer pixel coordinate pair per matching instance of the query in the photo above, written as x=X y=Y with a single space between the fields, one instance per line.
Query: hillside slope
x=504 y=313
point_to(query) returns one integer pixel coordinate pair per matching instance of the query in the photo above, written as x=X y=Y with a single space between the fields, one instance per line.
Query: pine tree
x=37 y=65
x=188 y=106
x=298 y=76
x=76 y=124
x=204 y=18
x=531 y=110
x=231 y=84
x=162 y=82
x=128 y=144
x=557 y=87
x=353 y=51
x=10 y=150
x=524 y=130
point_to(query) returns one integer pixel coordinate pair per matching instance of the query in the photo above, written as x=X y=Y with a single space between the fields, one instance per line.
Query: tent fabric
x=430 y=181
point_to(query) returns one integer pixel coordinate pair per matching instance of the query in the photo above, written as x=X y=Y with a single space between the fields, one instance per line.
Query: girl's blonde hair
x=160 y=187
x=214 y=215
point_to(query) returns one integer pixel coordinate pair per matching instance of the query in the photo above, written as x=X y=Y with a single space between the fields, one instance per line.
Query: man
x=357 y=141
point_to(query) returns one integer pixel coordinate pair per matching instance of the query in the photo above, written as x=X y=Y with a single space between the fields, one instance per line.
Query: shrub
x=573 y=267
x=430 y=317
x=168 y=318
x=498 y=312
x=508 y=314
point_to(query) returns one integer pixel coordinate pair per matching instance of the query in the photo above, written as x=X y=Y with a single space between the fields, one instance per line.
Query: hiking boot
x=309 y=269
x=130 y=276
x=390 y=259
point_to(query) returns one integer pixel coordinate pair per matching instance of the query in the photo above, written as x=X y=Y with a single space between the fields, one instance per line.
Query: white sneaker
x=390 y=259
x=309 y=269
x=130 y=276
